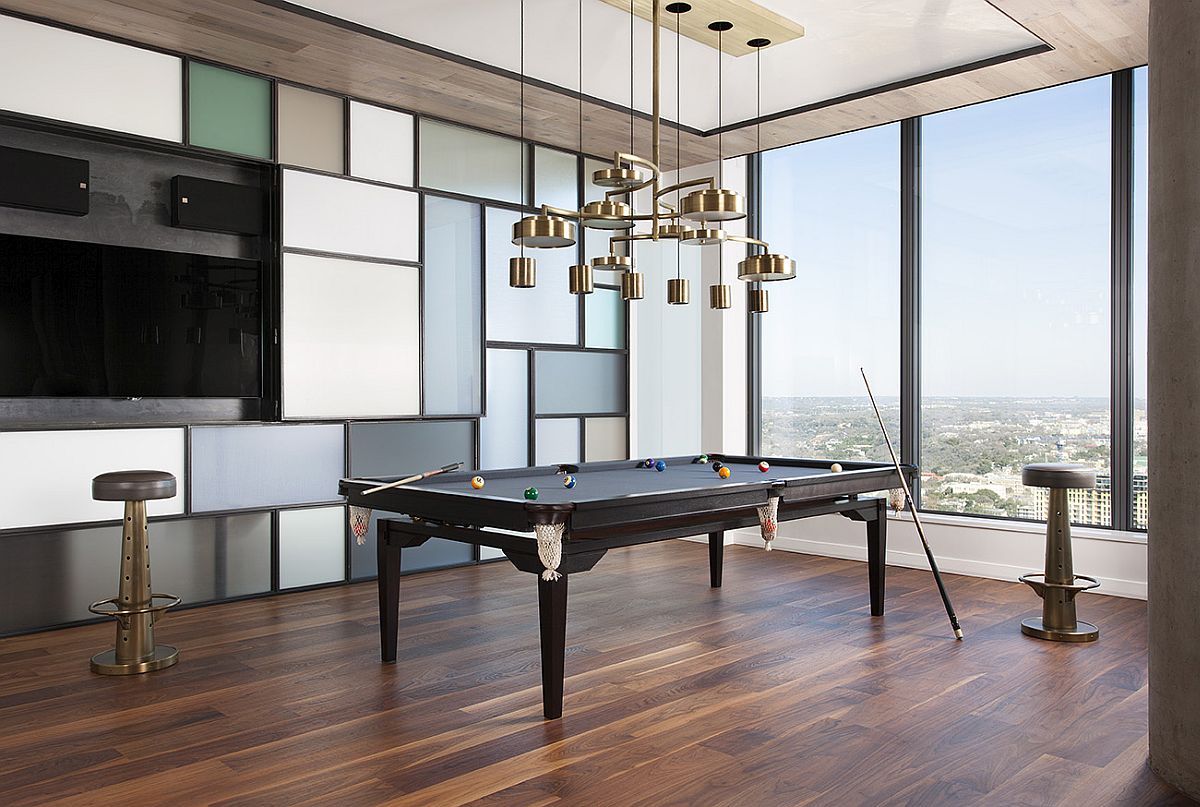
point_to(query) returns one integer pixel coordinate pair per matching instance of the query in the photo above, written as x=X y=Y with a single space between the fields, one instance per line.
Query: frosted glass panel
x=381 y=144
x=351 y=338
x=312 y=546
x=604 y=319
x=50 y=577
x=67 y=76
x=312 y=129
x=351 y=218
x=504 y=433
x=556 y=441
x=46 y=477
x=470 y=162
x=453 y=299
x=604 y=439
x=544 y=314
x=382 y=449
x=569 y=382
x=240 y=467
x=555 y=178
x=229 y=111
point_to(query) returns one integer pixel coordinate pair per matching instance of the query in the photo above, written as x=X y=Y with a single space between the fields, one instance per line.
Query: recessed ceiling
x=849 y=47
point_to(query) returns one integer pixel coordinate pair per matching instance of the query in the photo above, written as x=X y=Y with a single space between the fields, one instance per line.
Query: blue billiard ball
x=660 y=466
x=568 y=481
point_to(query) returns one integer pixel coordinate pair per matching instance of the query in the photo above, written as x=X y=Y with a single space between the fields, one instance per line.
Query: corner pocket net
x=549 y=546
x=768 y=520
x=360 y=522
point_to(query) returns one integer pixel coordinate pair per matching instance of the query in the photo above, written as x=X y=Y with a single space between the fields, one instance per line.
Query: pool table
x=612 y=504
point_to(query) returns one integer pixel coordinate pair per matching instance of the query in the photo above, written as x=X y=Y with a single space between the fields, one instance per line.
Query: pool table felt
x=610 y=483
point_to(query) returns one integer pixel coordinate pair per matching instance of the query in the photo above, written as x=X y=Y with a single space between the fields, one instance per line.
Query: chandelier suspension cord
x=632 y=149
x=720 y=113
x=524 y=145
x=678 y=126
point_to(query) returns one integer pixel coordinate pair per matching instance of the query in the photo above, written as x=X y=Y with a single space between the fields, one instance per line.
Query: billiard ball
x=717 y=466
x=568 y=481
x=836 y=467
x=648 y=463
x=531 y=493
x=724 y=472
x=702 y=459
x=660 y=466
x=477 y=482
x=764 y=466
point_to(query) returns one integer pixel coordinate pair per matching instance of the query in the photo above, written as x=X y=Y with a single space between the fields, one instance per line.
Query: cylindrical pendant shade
x=720 y=296
x=758 y=301
x=701 y=236
x=543 y=232
x=678 y=292
x=581 y=279
x=522 y=273
x=612 y=262
x=767 y=267
x=606 y=215
x=633 y=286
x=713 y=205
x=617 y=177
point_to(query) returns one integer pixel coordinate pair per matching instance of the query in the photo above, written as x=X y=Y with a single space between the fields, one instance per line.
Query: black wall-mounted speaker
x=47 y=182
x=223 y=207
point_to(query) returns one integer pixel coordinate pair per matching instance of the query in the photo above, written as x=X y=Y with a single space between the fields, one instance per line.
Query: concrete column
x=1174 y=390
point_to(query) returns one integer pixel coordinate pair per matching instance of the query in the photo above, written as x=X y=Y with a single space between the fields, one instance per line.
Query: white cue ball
x=836 y=467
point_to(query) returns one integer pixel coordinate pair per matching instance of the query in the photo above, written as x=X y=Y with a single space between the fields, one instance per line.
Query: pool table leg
x=716 y=555
x=877 y=556
x=388 y=543
x=552 y=612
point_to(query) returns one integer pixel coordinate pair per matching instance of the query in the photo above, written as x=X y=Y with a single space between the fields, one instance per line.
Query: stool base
x=106 y=663
x=1083 y=632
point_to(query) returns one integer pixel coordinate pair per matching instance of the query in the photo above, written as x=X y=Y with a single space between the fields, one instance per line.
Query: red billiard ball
x=764 y=466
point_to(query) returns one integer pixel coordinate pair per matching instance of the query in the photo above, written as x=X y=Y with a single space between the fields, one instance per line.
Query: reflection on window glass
x=1015 y=339
x=834 y=206
x=1140 y=506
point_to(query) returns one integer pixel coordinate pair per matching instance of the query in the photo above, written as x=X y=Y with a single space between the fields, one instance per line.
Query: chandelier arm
x=561 y=212
x=745 y=239
x=620 y=156
x=711 y=182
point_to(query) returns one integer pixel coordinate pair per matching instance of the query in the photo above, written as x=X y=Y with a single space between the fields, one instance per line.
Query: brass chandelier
x=696 y=218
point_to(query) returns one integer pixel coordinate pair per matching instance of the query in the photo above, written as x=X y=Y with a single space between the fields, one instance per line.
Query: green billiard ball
x=702 y=459
x=531 y=493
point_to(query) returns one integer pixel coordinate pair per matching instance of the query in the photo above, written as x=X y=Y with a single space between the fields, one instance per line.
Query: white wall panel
x=46 y=477
x=381 y=144
x=351 y=338
x=67 y=76
x=312 y=546
x=352 y=218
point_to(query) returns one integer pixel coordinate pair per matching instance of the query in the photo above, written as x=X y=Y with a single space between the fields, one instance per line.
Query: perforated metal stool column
x=134 y=606
x=1059 y=584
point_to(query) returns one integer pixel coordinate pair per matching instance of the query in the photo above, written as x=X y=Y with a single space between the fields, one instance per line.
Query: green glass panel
x=604 y=319
x=229 y=111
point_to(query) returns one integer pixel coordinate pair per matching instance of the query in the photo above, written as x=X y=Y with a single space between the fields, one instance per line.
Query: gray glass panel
x=555 y=178
x=312 y=546
x=453 y=299
x=556 y=441
x=470 y=162
x=238 y=467
x=383 y=449
x=570 y=382
x=604 y=319
x=433 y=554
x=504 y=433
x=50 y=577
x=545 y=313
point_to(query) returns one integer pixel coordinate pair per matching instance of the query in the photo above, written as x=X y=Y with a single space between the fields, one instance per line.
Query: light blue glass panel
x=467 y=161
x=573 y=382
x=408 y=447
x=312 y=546
x=547 y=313
x=504 y=433
x=556 y=441
x=604 y=319
x=242 y=467
x=453 y=301
x=555 y=178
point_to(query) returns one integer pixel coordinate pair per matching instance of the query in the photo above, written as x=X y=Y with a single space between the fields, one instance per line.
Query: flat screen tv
x=81 y=320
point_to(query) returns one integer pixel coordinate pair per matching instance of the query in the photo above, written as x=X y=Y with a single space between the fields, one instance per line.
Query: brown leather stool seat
x=133 y=486
x=134 y=607
x=1058 y=475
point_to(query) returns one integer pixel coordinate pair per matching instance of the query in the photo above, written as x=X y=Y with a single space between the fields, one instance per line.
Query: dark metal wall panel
x=243 y=467
x=393 y=448
x=572 y=382
x=50 y=577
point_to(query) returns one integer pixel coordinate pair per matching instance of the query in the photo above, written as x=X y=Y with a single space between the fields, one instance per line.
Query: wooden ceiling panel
x=1090 y=37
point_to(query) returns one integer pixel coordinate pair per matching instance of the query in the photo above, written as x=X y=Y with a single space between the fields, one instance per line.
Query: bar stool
x=1059 y=584
x=133 y=607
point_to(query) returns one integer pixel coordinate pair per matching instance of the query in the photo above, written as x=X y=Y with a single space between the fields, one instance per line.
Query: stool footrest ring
x=123 y=613
x=1073 y=587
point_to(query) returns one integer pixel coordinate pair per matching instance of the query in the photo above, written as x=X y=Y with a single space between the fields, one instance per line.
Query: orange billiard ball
x=477 y=482
x=724 y=473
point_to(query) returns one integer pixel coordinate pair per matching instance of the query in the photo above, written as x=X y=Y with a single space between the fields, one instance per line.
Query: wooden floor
x=778 y=689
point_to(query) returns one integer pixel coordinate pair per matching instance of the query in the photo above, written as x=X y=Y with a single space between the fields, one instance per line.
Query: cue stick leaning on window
x=454 y=466
x=937 y=576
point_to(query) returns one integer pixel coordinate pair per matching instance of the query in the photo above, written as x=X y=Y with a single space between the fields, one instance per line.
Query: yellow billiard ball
x=724 y=473
x=836 y=467
x=477 y=482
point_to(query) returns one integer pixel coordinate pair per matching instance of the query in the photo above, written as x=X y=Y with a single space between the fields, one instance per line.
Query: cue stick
x=912 y=506
x=454 y=466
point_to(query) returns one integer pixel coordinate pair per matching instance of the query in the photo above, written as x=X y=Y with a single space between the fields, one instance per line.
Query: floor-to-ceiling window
x=834 y=206
x=1015 y=282
x=1139 y=507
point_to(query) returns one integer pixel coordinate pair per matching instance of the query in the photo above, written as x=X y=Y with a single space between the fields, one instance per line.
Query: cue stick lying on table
x=912 y=506
x=454 y=466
